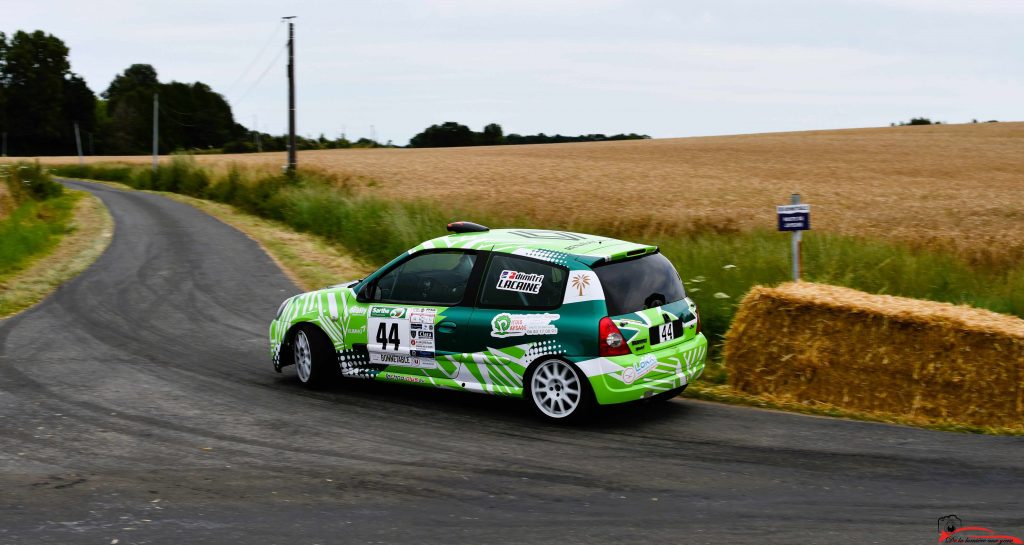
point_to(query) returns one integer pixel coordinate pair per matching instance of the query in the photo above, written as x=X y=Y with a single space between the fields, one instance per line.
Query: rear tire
x=315 y=361
x=558 y=391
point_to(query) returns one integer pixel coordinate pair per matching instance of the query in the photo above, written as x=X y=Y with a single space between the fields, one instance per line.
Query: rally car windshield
x=637 y=284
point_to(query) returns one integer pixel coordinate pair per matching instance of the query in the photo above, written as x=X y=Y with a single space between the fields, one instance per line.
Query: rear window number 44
x=666 y=332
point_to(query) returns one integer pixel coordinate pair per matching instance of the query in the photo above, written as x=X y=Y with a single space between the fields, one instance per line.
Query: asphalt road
x=138 y=403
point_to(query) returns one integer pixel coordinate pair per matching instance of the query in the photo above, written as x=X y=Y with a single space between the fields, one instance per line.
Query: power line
x=263 y=75
x=273 y=36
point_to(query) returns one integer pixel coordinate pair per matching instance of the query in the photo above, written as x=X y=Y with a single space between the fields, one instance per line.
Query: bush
x=31 y=181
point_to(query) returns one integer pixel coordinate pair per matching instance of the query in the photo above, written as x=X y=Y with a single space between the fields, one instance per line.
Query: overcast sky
x=663 y=68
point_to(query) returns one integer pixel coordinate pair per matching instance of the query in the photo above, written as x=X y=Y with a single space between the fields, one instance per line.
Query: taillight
x=610 y=340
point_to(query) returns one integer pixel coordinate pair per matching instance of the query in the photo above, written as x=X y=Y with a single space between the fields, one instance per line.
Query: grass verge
x=71 y=233
x=723 y=393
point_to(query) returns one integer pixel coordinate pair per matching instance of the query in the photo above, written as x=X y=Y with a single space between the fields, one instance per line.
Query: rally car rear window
x=637 y=284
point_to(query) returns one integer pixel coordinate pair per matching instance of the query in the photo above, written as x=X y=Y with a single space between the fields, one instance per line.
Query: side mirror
x=364 y=293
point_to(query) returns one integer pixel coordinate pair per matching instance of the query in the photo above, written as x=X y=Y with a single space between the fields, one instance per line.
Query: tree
x=917 y=121
x=78 y=103
x=42 y=98
x=129 y=107
x=191 y=115
x=492 y=135
x=195 y=117
x=445 y=135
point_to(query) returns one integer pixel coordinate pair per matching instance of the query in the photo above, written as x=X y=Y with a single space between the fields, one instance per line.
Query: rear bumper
x=621 y=379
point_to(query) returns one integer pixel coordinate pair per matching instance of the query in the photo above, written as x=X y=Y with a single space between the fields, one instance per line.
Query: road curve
x=138 y=403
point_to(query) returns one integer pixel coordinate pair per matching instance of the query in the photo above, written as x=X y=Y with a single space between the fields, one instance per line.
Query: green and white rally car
x=564 y=320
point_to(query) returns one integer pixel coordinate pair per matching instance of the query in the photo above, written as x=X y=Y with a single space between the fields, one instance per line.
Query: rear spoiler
x=623 y=255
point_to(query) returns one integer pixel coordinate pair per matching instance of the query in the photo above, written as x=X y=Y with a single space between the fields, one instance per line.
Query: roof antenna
x=466 y=227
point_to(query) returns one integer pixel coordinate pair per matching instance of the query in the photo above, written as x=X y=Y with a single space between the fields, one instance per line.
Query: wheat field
x=955 y=186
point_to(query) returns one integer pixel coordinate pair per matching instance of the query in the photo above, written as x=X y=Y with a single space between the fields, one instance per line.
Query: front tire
x=315 y=360
x=558 y=391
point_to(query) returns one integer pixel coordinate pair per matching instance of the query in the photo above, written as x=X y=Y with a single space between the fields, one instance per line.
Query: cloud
x=967 y=7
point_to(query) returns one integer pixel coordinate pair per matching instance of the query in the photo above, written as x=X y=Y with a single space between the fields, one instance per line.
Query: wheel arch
x=528 y=373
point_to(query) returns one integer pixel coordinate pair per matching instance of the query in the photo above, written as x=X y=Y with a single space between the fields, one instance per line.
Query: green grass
x=42 y=216
x=730 y=264
x=33 y=229
x=718 y=265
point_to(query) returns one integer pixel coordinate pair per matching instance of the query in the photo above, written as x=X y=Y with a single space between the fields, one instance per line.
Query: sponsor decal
x=422 y=315
x=517 y=325
x=583 y=286
x=387 y=312
x=578 y=245
x=952 y=530
x=419 y=359
x=416 y=326
x=639 y=369
x=357 y=311
x=404 y=378
x=580 y=282
x=392 y=359
x=424 y=363
x=423 y=338
x=638 y=342
x=520 y=281
x=355 y=330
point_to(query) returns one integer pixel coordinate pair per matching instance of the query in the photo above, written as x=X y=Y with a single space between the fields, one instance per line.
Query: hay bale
x=805 y=342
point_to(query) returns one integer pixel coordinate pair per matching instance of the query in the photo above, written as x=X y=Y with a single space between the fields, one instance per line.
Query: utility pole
x=78 y=143
x=292 y=160
x=156 y=126
x=256 y=133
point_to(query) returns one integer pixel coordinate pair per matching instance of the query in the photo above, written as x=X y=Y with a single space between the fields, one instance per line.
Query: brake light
x=610 y=340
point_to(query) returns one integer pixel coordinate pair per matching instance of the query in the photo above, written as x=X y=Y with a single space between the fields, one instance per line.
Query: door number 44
x=386 y=334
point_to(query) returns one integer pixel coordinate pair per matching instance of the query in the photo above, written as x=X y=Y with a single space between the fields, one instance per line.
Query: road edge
x=307 y=260
x=90 y=231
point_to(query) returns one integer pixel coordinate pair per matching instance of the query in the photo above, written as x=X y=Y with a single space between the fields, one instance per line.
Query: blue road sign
x=794 y=217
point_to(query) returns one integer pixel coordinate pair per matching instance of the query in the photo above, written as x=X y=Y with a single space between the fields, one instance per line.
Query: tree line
x=42 y=99
x=452 y=134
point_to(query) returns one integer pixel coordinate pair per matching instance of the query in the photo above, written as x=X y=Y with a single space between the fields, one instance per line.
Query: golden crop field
x=959 y=186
